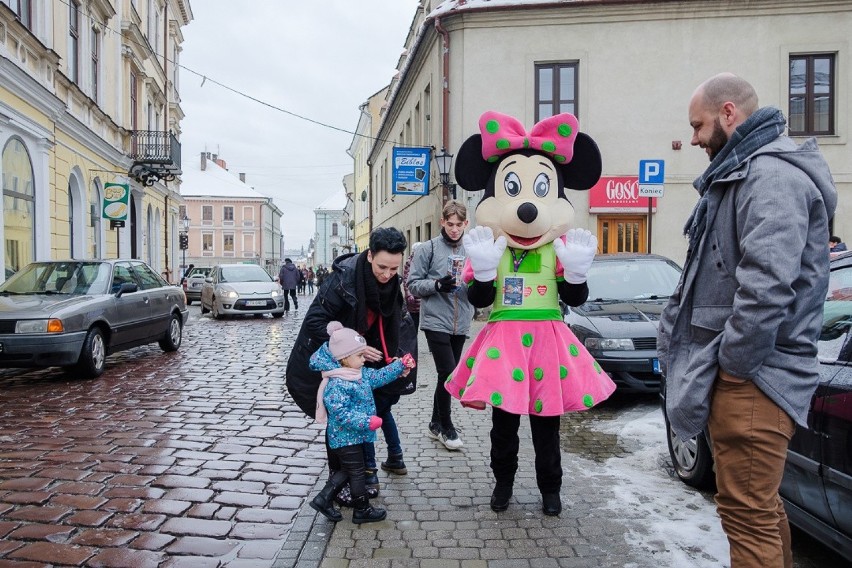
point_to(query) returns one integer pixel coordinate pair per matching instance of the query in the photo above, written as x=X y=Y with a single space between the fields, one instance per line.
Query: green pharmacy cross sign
x=116 y=203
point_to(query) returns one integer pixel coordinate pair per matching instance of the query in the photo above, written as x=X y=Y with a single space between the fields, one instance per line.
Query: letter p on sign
x=651 y=172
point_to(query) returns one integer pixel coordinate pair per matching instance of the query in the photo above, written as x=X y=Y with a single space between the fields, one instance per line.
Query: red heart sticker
x=542 y=290
x=527 y=291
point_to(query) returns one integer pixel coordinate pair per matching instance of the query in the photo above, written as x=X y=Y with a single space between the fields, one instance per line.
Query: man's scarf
x=759 y=129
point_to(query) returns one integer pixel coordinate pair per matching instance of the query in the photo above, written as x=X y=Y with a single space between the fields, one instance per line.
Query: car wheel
x=692 y=460
x=92 y=357
x=278 y=314
x=214 y=309
x=174 y=335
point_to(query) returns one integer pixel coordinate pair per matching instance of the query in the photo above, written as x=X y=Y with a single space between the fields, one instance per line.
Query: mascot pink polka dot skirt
x=529 y=367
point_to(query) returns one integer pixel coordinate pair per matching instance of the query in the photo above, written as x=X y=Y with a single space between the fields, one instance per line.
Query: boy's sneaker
x=434 y=431
x=450 y=439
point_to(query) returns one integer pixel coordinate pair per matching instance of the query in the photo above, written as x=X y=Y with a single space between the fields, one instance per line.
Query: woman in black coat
x=362 y=292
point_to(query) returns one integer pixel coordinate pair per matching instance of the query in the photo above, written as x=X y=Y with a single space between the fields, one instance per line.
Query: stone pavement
x=439 y=514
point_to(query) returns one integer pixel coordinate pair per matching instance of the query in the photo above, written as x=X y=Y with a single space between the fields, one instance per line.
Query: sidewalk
x=439 y=513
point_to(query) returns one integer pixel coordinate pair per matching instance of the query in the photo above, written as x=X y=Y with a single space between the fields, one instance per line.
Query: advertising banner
x=116 y=203
x=410 y=171
x=618 y=194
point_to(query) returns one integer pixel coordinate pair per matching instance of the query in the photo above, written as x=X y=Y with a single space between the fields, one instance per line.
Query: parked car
x=73 y=314
x=618 y=323
x=193 y=281
x=817 y=483
x=239 y=289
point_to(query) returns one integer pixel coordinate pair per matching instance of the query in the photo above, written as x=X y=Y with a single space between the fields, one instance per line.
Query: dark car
x=193 y=281
x=618 y=323
x=73 y=313
x=817 y=483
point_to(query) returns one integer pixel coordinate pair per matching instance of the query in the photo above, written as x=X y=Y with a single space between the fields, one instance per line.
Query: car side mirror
x=209 y=279
x=126 y=288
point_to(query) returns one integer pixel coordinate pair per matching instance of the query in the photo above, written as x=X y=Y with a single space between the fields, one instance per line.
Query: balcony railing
x=155 y=155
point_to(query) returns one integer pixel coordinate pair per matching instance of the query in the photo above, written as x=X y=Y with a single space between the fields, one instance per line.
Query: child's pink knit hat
x=343 y=341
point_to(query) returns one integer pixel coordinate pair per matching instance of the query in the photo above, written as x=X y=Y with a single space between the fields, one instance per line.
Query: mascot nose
x=527 y=212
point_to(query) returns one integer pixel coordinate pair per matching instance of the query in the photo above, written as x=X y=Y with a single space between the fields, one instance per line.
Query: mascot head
x=524 y=175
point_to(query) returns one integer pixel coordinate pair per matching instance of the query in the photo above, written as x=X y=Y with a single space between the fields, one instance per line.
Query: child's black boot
x=364 y=513
x=324 y=501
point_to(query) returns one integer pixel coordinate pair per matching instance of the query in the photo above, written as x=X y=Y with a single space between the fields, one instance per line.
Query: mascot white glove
x=576 y=254
x=484 y=252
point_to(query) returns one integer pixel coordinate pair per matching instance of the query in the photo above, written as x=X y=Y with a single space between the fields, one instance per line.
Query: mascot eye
x=542 y=185
x=512 y=184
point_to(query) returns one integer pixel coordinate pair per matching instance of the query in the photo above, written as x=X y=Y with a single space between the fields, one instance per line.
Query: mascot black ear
x=472 y=172
x=584 y=169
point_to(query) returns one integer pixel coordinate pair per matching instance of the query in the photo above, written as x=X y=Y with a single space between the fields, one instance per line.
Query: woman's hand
x=373 y=355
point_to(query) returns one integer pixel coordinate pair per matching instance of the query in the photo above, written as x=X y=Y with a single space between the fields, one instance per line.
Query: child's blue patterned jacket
x=350 y=403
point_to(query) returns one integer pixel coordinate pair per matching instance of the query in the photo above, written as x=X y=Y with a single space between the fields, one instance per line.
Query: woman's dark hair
x=388 y=239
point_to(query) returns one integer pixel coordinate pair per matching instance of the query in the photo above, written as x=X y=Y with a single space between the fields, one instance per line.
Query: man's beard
x=717 y=140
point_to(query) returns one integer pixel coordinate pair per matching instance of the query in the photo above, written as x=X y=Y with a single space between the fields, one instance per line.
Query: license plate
x=656 y=364
x=196 y=284
x=255 y=302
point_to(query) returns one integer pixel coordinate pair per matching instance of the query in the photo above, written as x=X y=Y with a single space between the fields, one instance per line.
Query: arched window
x=95 y=201
x=18 y=205
x=334 y=229
x=71 y=221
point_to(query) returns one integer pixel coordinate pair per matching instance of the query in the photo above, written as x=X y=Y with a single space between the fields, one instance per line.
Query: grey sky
x=320 y=60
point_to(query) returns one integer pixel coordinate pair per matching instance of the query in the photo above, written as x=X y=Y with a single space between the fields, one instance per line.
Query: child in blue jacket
x=345 y=400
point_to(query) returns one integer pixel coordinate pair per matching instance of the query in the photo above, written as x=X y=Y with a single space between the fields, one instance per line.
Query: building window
x=24 y=10
x=18 y=205
x=334 y=229
x=181 y=213
x=207 y=244
x=134 y=108
x=74 y=41
x=95 y=223
x=228 y=244
x=207 y=214
x=428 y=231
x=228 y=215
x=555 y=89
x=812 y=82
x=71 y=221
x=96 y=54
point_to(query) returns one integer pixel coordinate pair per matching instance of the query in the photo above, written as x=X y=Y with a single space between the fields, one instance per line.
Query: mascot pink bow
x=502 y=133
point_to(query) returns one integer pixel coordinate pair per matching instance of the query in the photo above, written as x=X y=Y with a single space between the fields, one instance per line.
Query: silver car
x=73 y=314
x=240 y=289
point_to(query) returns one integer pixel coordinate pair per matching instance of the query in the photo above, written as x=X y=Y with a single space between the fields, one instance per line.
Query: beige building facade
x=88 y=97
x=627 y=70
x=368 y=124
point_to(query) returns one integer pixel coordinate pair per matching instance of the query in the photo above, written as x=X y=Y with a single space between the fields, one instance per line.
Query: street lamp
x=445 y=162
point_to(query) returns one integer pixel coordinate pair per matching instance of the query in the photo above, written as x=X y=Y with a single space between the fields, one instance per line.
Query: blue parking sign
x=652 y=172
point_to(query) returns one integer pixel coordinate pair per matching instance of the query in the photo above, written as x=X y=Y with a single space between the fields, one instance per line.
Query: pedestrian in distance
x=836 y=244
x=288 y=279
x=345 y=401
x=311 y=279
x=363 y=292
x=445 y=312
x=412 y=304
x=738 y=337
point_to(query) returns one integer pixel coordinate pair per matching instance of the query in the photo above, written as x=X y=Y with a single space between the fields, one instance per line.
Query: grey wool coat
x=750 y=297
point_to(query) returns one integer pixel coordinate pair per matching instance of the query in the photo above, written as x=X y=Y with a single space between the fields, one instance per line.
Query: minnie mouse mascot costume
x=521 y=261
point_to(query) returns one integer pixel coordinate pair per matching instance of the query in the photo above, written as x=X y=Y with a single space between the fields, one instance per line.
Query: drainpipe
x=445 y=99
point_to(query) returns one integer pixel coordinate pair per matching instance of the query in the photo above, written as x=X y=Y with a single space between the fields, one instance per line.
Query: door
x=622 y=234
x=131 y=311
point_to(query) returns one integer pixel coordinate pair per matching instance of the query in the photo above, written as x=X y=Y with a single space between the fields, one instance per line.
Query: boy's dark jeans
x=446 y=351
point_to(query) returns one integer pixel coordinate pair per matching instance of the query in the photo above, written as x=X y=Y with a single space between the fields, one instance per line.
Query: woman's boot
x=364 y=513
x=324 y=501
x=395 y=464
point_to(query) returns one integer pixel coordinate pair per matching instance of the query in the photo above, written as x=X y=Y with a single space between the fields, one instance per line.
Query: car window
x=631 y=279
x=122 y=274
x=243 y=273
x=71 y=278
x=836 y=316
x=148 y=279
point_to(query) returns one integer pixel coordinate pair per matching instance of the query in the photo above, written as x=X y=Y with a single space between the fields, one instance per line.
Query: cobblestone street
x=199 y=459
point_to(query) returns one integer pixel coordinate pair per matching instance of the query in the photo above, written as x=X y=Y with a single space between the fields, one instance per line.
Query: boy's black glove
x=445 y=285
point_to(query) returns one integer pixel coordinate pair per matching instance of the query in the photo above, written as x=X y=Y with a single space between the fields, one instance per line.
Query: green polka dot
x=518 y=375
x=470 y=380
x=461 y=393
x=548 y=146
x=527 y=339
x=526 y=143
x=598 y=368
x=564 y=130
x=588 y=401
x=496 y=398
x=493 y=159
x=470 y=362
x=559 y=158
x=448 y=379
x=538 y=406
x=493 y=353
x=492 y=126
x=563 y=371
x=502 y=144
x=573 y=350
x=538 y=373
